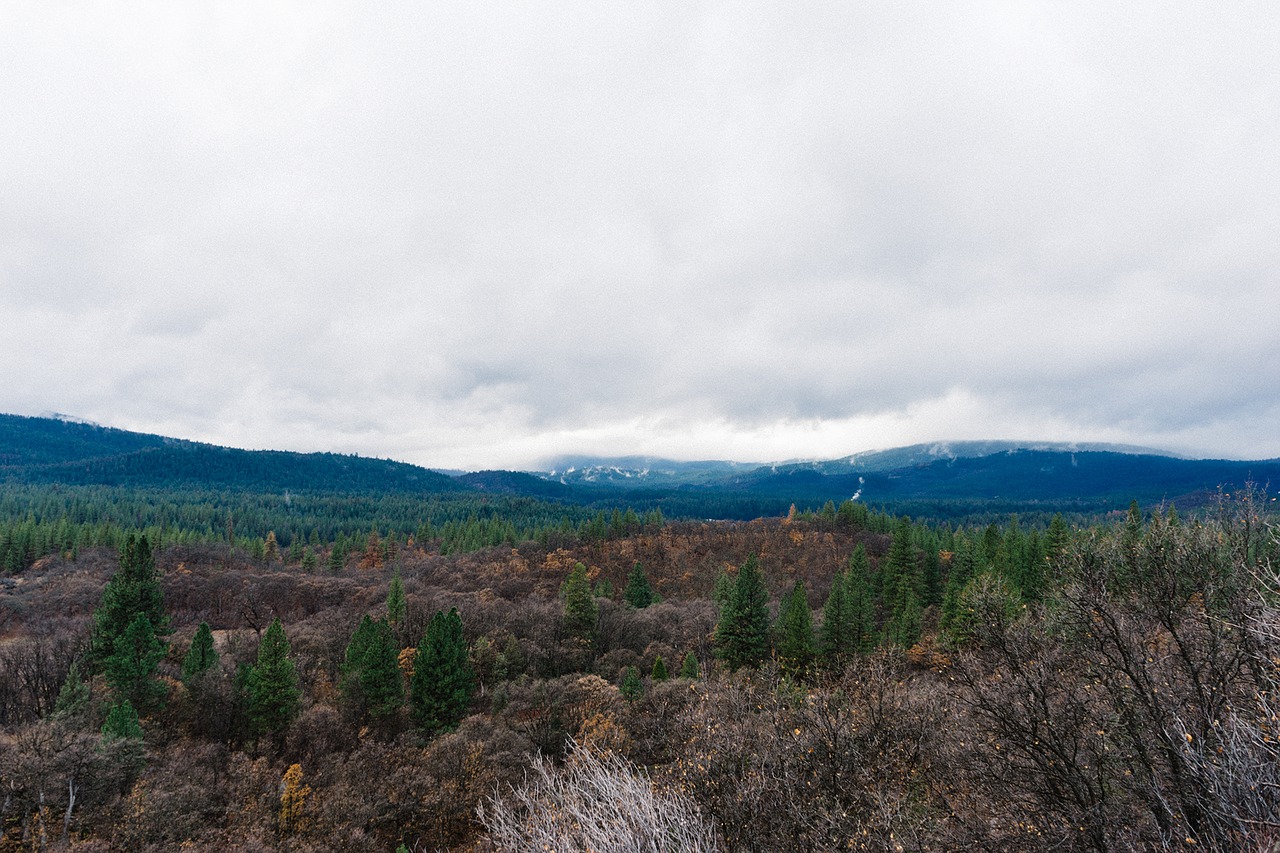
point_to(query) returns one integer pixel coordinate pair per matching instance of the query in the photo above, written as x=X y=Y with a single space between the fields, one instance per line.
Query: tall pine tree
x=131 y=668
x=902 y=583
x=580 y=611
x=742 y=635
x=272 y=684
x=794 y=631
x=639 y=594
x=834 y=635
x=133 y=590
x=861 y=600
x=442 y=683
x=371 y=683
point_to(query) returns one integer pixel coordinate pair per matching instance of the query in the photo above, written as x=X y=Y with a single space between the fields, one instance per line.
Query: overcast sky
x=483 y=234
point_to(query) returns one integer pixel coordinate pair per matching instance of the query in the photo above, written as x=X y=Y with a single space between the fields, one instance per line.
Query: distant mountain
x=49 y=450
x=514 y=483
x=1004 y=472
x=639 y=472
x=945 y=479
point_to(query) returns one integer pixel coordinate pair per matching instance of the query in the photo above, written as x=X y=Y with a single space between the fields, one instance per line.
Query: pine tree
x=442 y=683
x=690 y=668
x=202 y=656
x=631 y=687
x=1057 y=537
x=834 y=641
x=794 y=631
x=272 y=684
x=931 y=575
x=73 y=698
x=133 y=590
x=580 y=611
x=861 y=601
x=639 y=594
x=964 y=567
x=122 y=723
x=742 y=635
x=371 y=683
x=131 y=668
x=902 y=584
x=395 y=601
x=722 y=592
x=659 y=672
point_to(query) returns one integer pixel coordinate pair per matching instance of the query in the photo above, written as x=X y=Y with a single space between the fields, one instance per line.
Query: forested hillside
x=840 y=679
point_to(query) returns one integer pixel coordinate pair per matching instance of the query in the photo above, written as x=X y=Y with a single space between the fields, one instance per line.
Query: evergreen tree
x=690 y=668
x=639 y=594
x=73 y=698
x=371 y=683
x=861 y=602
x=338 y=555
x=834 y=640
x=1057 y=537
x=440 y=691
x=131 y=668
x=133 y=590
x=272 y=684
x=202 y=656
x=631 y=687
x=742 y=635
x=659 y=672
x=395 y=601
x=722 y=592
x=931 y=586
x=964 y=567
x=902 y=584
x=122 y=723
x=794 y=631
x=580 y=611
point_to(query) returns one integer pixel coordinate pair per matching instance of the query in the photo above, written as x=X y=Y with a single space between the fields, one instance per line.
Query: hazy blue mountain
x=940 y=476
x=50 y=450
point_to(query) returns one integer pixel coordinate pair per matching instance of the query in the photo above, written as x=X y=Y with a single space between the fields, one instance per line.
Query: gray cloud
x=485 y=234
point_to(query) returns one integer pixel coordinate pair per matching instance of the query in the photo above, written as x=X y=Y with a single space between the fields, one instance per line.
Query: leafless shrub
x=594 y=802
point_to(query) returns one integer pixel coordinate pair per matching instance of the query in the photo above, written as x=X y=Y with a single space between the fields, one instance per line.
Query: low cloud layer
x=482 y=235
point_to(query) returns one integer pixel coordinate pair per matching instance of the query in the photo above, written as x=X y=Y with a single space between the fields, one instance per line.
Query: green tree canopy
x=371 y=683
x=639 y=594
x=133 y=590
x=395 y=601
x=742 y=635
x=834 y=640
x=442 y=684
x=580 y=610
x=272 y=684
x=122 y=722
x=202 y=656
x=794 y=631
x=631 y=687
x=659 y=672
x=131 y=668
x=902 y=588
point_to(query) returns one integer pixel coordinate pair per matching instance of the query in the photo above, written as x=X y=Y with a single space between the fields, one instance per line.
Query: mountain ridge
x=943 y=476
